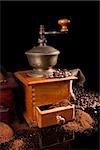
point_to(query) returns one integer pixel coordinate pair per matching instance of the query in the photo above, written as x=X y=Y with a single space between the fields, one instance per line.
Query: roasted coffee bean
x=60 y=73
x=86 y=99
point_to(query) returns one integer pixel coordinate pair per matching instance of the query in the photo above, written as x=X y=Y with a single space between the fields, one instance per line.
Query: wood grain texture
x=22 y=76
x=43 y=91
x=48 y=93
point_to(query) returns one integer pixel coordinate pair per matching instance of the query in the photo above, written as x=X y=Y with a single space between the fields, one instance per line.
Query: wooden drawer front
x=49 y=117
x=48 y=93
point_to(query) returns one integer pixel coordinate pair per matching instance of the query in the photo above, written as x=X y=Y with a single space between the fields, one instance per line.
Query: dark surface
x=79 y=48
x=51 y=139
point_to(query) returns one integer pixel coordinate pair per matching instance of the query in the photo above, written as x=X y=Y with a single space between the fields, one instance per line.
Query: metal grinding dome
x=42 y=50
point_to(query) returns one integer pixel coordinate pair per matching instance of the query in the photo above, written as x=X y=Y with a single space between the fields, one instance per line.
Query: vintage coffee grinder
x=44 y=86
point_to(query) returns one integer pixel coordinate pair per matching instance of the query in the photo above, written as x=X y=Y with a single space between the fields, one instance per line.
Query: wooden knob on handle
x=64 y=23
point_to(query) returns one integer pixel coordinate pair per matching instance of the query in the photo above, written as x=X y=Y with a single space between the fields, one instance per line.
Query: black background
x=78 y=49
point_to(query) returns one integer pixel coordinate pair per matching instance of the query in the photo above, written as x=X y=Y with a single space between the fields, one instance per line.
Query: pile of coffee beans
x=86 y=99
x=60 y=73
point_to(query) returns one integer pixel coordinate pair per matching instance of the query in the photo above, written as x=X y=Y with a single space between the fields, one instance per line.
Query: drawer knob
x=60 y=119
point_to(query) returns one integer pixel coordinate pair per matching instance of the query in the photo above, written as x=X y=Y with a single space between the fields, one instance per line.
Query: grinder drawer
x=47 y=117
